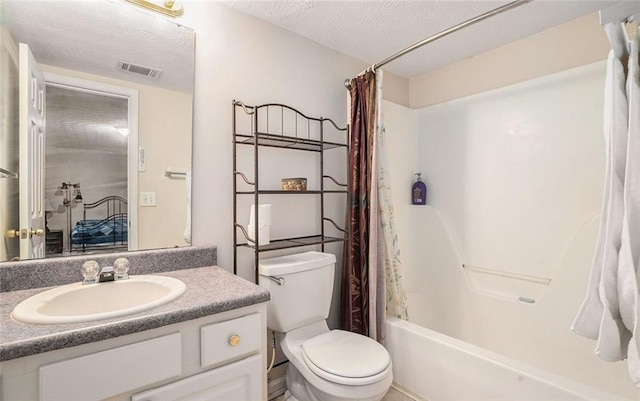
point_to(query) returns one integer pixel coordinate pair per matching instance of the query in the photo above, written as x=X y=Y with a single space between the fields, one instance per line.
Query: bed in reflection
x=104 y=225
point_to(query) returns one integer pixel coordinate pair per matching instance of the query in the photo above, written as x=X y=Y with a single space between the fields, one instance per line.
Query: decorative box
x=294 y=184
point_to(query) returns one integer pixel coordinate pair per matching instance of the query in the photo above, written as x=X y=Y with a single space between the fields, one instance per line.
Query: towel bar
x=516 y=276
x=505 y=284
x=173 y=174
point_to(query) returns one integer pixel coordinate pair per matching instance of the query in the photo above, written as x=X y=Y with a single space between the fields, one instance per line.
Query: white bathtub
x=435 y=367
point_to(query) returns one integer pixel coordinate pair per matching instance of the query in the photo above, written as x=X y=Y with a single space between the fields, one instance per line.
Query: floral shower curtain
x=371 y=280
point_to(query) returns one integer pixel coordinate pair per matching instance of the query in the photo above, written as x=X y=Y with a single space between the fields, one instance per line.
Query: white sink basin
x=75 y=303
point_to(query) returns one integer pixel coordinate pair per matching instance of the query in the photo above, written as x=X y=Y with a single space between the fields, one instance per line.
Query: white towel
x=599 y=316
x=187 y=230
x=587 y=321
x=630 y=248
x=614 y=336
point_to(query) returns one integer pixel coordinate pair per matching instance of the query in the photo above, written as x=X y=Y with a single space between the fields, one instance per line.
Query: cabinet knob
x=234 y=340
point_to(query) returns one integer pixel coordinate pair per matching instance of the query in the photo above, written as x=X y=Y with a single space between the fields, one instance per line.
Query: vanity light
x=123 y=131
x=169 y=7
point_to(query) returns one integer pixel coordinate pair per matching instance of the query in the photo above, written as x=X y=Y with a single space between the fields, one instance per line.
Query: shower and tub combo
x=496 y=264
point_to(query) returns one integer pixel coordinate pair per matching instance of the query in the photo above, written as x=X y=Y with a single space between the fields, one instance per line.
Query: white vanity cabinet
x=218 y=357
x=236 y=381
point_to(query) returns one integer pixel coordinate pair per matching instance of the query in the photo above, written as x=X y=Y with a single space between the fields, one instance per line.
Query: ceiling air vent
x=152 y=73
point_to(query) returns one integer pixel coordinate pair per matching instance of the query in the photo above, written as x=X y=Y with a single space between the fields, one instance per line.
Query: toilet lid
x=346 y=354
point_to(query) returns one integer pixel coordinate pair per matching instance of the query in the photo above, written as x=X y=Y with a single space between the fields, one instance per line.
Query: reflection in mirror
x=118 y=113
x=87 y=137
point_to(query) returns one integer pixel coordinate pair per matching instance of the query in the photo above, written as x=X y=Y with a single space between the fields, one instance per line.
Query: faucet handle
x=90 y=270
x=121 y=267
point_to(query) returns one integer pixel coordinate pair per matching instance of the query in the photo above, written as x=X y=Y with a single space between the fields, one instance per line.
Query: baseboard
x=407 y=392
x=276 y=387
x=277 y=382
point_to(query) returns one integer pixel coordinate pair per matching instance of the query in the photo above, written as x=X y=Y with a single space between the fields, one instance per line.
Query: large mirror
x=95 y=149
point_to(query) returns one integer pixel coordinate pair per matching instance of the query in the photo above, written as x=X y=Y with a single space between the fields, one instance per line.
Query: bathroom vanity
x=210 y=343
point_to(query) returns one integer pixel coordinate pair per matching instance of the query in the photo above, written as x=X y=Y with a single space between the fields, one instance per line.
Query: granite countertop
x=210 y=290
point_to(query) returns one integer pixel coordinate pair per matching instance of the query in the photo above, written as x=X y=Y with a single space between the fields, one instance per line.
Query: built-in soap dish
x=504 y=284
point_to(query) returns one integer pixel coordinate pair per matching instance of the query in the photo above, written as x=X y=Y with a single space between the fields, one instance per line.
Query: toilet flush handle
x=278 y=280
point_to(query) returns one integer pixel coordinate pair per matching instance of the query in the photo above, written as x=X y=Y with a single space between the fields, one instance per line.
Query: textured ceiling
x=91 y=36
x=374 y=30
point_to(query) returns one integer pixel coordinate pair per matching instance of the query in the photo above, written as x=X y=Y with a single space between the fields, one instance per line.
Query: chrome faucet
x=106 y=274
x=92 y=272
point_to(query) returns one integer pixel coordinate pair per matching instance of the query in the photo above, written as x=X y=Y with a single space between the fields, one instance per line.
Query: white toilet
x=325 y=365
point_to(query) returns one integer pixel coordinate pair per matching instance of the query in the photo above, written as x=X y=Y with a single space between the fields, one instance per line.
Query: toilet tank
x=305 y=294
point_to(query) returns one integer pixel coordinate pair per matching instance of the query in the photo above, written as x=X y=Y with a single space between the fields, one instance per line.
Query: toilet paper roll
x=263 y=234
x=264 y=215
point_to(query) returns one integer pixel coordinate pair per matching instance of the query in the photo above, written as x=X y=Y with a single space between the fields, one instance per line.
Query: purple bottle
x=419 y=192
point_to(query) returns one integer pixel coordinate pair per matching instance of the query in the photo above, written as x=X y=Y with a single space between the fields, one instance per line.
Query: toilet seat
x=346 y=358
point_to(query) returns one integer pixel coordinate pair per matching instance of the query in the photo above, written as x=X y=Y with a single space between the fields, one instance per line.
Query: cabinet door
x=239 y=381
x=114 y=371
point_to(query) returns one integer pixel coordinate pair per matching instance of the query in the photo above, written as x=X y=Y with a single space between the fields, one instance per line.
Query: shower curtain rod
x=441 y=34
x=623 y=12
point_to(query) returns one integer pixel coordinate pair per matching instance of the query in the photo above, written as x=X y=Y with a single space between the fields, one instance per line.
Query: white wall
x=514 y=179
x=241 y=57
x=573 y=44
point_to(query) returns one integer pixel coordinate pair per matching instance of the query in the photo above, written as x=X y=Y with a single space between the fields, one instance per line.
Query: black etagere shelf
x=299 y=137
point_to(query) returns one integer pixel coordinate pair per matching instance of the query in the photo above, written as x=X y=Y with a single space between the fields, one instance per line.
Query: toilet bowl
x=325 y=365
x=335 y=365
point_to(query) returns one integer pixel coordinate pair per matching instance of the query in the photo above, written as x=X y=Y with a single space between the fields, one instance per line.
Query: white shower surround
x=557 y=125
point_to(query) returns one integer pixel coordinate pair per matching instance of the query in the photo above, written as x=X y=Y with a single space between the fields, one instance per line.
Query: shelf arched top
x=251 y=109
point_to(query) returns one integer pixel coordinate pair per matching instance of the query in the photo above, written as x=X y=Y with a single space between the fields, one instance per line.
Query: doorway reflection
x=86 y=143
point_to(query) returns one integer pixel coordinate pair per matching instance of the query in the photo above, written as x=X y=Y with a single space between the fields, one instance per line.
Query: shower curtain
x=609 y=311
x=371 y=279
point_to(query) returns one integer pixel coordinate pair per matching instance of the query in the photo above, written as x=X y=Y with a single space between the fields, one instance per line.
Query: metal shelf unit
x=261 y=135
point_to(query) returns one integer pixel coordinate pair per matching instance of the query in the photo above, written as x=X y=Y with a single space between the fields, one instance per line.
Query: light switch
x=147 y=198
